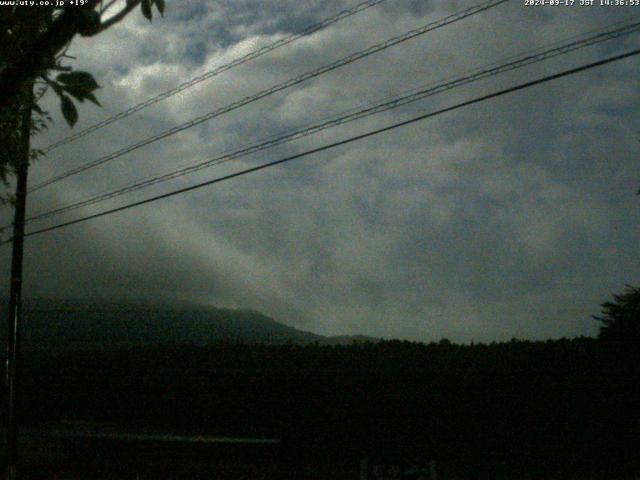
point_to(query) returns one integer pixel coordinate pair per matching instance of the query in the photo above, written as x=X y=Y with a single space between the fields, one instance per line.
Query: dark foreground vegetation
x=560 y=409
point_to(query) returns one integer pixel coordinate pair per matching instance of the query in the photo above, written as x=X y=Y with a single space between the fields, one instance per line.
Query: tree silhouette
x=33 y=45
x=621 y=318
x=41 y=41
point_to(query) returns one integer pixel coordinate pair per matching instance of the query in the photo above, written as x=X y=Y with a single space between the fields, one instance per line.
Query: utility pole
x=15 y=290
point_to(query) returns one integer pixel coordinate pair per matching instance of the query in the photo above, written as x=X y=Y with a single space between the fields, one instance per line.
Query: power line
x=340 y=143
x=405 y=99
x=217 y=71
x=277 y=88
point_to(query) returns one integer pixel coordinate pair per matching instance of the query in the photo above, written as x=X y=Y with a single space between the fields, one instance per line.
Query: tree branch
x=103 y=9
x=118 y=16
x=36 y=58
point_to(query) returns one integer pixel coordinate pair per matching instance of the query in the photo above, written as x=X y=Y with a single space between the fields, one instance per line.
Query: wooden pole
x=15 y=290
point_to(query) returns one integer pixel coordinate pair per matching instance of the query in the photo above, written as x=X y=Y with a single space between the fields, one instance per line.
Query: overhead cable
x=216 y=71
x=276 y=88
x=378 y=131
x=405 y=99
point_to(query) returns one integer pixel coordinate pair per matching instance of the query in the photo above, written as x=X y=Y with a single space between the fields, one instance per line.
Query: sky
x=514 y=217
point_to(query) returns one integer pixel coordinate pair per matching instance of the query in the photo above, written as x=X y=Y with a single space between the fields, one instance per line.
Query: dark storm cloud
x=516 y=217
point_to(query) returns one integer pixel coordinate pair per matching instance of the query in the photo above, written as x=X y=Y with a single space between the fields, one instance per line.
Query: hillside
x=75 y=325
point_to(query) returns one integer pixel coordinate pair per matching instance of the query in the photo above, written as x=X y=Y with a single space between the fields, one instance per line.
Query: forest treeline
x=567 y=408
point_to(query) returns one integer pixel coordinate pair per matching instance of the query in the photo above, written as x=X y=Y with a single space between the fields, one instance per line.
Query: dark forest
x=555 y=409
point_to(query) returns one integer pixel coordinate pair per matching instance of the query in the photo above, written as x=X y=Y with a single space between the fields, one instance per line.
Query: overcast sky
x=515 y=217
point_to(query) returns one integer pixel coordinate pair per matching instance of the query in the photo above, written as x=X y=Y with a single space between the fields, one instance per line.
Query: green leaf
x=145 y=6
x=79 y=79
x=92 y=98
x=76 y=93
x=56 y=88
x=160 y=5
x=69 y=111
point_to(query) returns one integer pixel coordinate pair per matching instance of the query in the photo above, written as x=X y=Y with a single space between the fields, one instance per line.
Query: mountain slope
x=67 y=325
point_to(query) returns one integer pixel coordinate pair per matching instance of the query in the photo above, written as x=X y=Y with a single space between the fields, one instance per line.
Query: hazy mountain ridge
x=74 y=325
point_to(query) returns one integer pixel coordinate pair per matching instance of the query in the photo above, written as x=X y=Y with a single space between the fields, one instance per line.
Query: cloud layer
x=514 y=217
